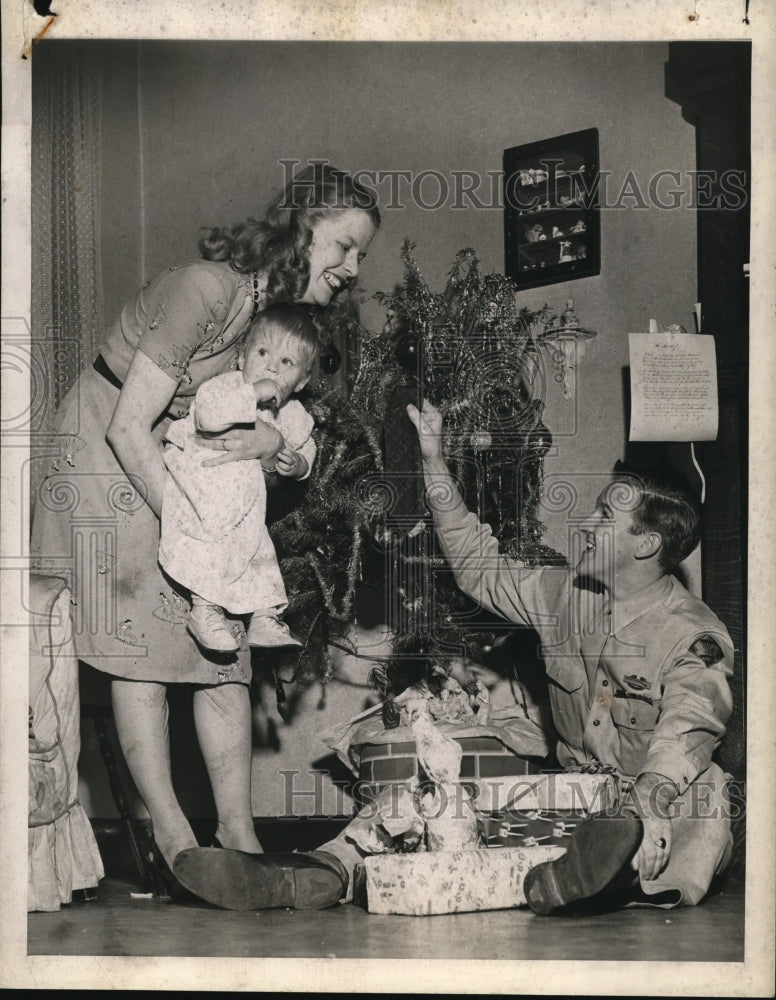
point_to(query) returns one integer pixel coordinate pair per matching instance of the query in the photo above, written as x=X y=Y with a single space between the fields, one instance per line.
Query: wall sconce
x=565 y=337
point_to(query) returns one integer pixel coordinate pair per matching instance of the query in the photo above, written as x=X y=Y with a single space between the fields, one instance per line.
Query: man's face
x=611 y=549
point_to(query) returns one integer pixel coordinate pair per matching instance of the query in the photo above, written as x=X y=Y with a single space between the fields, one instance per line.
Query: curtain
x=66 y=311
x=66 y=273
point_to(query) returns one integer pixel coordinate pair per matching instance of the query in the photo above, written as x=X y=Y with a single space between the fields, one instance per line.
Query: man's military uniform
x=637 y=685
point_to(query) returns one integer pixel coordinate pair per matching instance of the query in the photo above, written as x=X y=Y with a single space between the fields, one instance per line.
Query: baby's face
x=282 y=359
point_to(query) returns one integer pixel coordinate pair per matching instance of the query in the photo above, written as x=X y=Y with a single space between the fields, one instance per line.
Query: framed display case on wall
x=552 y=223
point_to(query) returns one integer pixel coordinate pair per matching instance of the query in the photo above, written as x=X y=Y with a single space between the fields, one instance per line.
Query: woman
x=97 y=512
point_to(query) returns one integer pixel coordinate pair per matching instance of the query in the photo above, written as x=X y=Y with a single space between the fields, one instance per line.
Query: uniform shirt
x=638 y=684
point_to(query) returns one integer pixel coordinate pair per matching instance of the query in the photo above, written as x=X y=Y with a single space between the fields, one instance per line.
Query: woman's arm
x=263 y=442
x=145 y=395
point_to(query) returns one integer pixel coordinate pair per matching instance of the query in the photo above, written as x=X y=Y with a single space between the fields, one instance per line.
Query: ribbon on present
x=513 y=828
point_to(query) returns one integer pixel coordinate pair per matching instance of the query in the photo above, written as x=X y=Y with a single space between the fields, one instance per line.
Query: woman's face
x=340 y=242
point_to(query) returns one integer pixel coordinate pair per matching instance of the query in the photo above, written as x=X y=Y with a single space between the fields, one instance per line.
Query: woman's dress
x=91 y=525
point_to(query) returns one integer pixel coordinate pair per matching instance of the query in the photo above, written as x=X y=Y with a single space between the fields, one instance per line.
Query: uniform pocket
x=566 y=672
x=569 y=705
x=635 y=722
x=633 y=713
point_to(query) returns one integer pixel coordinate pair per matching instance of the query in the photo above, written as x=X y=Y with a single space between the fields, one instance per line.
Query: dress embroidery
x=179 y=363
x=203 y=332
x=172 y=610
x=125 y=634
x=161 y=317
x=68 y=445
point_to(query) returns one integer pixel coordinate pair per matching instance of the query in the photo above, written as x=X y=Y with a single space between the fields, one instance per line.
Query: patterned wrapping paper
x=447 y=881
x=554 y=790
x=528 y=829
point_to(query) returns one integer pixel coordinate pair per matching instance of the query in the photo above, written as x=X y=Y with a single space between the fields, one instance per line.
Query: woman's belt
x=101 y=367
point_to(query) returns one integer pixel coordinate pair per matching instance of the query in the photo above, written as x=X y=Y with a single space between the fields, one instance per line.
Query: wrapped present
x=447 y=881
x=451 y=822
x=572 y=791
x=544 y=809
x=527 y=829
x=506 y=733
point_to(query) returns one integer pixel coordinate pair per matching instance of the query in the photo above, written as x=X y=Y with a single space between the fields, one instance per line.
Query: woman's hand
x=243 y=443
x=291 y=463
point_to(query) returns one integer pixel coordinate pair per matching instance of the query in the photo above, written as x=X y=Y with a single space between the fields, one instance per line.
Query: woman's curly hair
x=279 y=244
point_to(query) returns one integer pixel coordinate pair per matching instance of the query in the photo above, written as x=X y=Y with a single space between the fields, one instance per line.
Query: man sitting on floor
x=638 y=672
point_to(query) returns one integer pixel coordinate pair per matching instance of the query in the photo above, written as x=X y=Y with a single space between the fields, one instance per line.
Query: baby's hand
x=267 y=391
x=291 y=463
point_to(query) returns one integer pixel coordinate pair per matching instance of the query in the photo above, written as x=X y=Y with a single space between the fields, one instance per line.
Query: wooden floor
x=119 y=924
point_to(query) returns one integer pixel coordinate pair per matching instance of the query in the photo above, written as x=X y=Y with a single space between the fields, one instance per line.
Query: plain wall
x=193 y=134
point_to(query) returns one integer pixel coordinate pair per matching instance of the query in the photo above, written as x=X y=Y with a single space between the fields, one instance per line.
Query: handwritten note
x=673 y=387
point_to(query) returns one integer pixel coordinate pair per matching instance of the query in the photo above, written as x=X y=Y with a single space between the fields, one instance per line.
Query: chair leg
x=141 y=855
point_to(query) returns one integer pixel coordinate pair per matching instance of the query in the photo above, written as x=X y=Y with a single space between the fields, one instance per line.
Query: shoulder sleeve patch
x=707 y=649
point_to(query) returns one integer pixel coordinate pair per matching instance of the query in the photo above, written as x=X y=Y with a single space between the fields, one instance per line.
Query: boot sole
x=272 y=645
x=597 y=852
x=235 y=880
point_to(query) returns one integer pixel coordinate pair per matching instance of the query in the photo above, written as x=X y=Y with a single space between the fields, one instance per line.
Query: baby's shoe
x=208 y=626
x=268 y=631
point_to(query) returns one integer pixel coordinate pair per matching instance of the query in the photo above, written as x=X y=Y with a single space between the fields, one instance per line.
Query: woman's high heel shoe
x=219 y=846
x=164 y=885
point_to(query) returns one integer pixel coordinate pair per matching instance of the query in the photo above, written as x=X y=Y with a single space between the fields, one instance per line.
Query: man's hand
x=428 y=423
x=651 y=796
x=291 y=463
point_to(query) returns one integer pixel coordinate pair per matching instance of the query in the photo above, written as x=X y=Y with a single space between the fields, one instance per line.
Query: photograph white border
x=427 y=20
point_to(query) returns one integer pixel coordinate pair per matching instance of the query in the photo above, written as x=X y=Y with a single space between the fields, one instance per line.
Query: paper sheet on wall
x=673 y=387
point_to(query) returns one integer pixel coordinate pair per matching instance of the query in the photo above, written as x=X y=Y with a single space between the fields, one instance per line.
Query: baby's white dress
x=214 y=537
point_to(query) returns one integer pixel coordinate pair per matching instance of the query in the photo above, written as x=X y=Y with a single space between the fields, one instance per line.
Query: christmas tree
x=469 y=349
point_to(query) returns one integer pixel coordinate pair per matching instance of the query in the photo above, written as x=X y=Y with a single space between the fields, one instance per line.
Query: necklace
x=256 y=293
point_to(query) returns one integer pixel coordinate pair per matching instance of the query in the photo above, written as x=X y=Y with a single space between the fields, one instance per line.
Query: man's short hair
x=663 y=502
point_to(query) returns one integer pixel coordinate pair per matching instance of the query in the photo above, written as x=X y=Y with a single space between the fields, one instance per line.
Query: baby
x=214 y=539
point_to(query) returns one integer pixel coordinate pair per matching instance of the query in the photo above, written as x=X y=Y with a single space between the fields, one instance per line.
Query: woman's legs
x=141 y=713
x=222 y=716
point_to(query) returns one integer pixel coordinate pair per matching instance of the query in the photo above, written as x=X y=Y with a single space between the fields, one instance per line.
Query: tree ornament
x=481 y=440
x=321 y=413
x=409 y=352
x=330 y=359
x=539 y=441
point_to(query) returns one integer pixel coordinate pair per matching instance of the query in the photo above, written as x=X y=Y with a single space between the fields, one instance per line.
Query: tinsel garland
x=471 y=349
x=479 y=366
